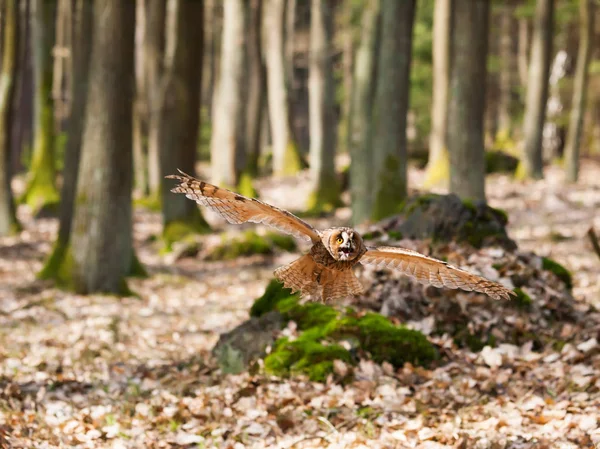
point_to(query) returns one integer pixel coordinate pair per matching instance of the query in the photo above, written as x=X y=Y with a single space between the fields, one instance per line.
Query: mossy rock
x=561 y=272
x=500 y=162
x=445 y=218
x=522 y=300
x=251 y=243
x=323 y=328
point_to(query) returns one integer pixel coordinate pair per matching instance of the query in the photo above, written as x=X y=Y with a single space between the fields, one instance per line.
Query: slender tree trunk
x=209 y=56
x=391 y=106
x=140 y=107
x=10 y=55
x=523 y=51
x=466 y=109
x=361 y=106
x=102 y=246
x=227 y=142
x=537 y=91
x=348 y=51
x=179 y=112
x=256 y=86
x=82 y=24
x=508 y=68
x=323 y=129
x=154 y=54
x=438 y=169
x=286 y=158
x=586 y=36
x=41 y=193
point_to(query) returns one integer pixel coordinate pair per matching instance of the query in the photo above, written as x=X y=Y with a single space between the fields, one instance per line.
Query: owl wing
x=428 y=270
x=238 y=209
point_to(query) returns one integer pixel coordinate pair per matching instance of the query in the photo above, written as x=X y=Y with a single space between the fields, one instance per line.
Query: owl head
x=343 y=243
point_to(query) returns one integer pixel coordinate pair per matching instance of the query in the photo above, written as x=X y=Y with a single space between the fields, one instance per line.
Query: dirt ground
x=100 y=371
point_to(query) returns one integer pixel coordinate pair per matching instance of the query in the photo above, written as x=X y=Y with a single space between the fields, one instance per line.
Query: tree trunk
x=586 y=36
x=523 y=51
x=140 y=106
x=508 y=69
x=323 y=130
x=437 y=171
x=286 y=158
x=228 y=124
x=256 y=86
x=10 y=55
x=80 y=60
x=179 y=110
x=361 y=106
x=466 y=107
x=41 y=193
x=102 y=247
x=531 y=165
x=154 y=54
x=391 y=106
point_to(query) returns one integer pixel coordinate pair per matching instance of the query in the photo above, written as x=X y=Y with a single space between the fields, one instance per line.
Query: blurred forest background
x=464 y=129
x=102 y=100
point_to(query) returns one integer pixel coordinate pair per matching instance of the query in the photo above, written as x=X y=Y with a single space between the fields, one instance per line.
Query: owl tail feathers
x=339 y=284
x=300 y=275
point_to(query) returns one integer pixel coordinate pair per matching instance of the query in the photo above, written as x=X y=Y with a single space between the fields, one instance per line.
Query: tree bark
x=323 y=130
x=391 y=107
x=531 y=165
x=508 y=69
x=286 y=158
x=102 y=247
x=466 y=108
x=228 y=136
x=80 y=61
x=256 y=86
x=10 y=55
x=586 y=36
x=140 y=107
x=438 y=169
x=41 y=193
x=179 y=113
x=523 y=51
x=361 y=106
x=154 y=54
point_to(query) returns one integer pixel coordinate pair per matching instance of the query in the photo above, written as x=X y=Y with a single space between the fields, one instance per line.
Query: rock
x=247 y=342
x=500 y=162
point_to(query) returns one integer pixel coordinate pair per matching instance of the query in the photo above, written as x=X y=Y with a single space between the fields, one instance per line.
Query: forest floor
x=100 y=371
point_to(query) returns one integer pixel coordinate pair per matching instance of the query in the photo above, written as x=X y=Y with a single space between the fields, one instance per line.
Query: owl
x=326 y=270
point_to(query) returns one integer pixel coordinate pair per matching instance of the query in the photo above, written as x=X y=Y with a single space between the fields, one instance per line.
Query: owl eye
x=340 y=240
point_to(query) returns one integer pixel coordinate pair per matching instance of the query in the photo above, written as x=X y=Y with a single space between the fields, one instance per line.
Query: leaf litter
x=101 y=372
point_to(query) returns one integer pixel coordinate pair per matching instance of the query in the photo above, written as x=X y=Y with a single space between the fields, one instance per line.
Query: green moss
x=150 y=202
x=561 y=272
x=325 y=198
x=282 y=241
x=137 y=269
x=293 y=160
x=245 y=186
x=309 y=315
x=392 y=190
x=438 y=171
x=500 y=162
x=522 y=300
x=274 y=293
x=396 y=235
x=250 y=243
x=184 y=229
x=502 y=213
x=59 y=266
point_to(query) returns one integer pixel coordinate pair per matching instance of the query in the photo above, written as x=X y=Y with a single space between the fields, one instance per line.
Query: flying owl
x=326 y=271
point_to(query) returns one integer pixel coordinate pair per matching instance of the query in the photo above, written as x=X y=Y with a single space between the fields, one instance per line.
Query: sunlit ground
x=100 y=371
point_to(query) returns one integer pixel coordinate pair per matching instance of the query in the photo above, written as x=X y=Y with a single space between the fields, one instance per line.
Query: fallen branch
x=594 y=239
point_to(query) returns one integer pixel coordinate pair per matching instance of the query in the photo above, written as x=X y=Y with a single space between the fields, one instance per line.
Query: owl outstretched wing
x=427 y=270
x=239 y=209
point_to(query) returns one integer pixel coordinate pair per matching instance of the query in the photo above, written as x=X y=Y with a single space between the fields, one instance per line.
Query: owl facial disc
x=346 y=249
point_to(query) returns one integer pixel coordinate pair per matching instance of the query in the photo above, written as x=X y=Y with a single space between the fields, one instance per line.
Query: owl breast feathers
x=326 y=271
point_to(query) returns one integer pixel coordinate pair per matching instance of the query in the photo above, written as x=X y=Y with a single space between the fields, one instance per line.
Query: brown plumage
x=326 y=271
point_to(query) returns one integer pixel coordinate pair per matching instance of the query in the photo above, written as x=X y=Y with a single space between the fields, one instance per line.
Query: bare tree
x=80 y=61
x=586 y=36
x=41 y=192
x=286 y=158
x=537 y=91
x=361 y=106
x=323 y=129
x=466 y=107
x=102 y=246
x=228 y=124
x=10 y=55
x=437 y=171
x=178 y=112
x=508 y=68
x=391 y=107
